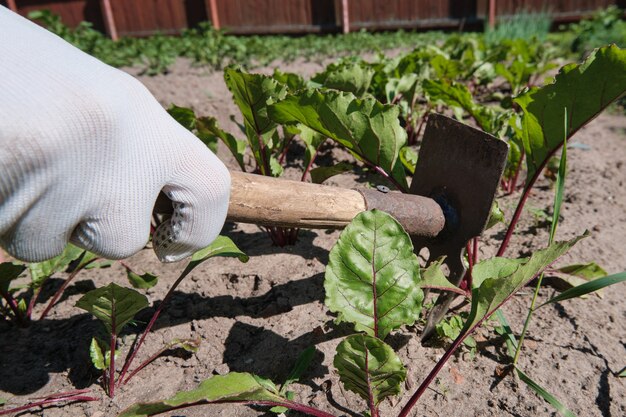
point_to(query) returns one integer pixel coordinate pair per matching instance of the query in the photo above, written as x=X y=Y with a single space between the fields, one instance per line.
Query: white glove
x=84 y=152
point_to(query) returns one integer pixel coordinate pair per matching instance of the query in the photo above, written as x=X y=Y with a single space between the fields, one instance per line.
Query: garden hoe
x=457 y=174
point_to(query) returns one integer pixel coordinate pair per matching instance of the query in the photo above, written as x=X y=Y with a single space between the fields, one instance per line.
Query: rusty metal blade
x=460 y=168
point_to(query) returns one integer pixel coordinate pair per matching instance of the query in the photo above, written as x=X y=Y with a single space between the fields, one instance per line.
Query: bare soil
x=257 y=317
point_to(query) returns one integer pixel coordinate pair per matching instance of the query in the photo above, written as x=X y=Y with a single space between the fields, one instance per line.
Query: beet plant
x=115 y=307
x=18 y=301
x=267 y=142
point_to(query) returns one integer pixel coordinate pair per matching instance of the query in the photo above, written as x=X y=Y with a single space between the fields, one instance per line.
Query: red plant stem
x=60 y=291
x=12 y=305
x=48 y=401
x=112 y=360
x=265 y=165
x=423 y=121
x=370 y=394
x=154 y=318
x=283 y=154
x=475 y=250
x=515 y=218
x=310 y=165
x=63 y=394
x=470 y=256
x=387 y=176
x=33 y=300
x=512 y=182
x=146 y=362
x=431 y=376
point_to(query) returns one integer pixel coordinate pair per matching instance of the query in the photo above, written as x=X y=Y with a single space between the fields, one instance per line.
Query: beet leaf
x=234 y=387
x=496 y=279
x=113 y=305
x=372 y=275
x=348 y=75
x=583 y=89
x=370 y=368
x=370 y=130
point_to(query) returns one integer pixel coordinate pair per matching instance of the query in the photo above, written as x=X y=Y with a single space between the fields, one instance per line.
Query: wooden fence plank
x=109 y=20
x=215 y=16
x=144 y=17
x=11 y=5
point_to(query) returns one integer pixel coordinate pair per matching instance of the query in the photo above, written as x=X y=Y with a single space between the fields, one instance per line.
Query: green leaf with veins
x=187 y=118
x=586 y=271
x=584 y=89
x=434 y=278
x=405 y=86
x=208 y=128
x=458 y=96
x=40 y=271
x=321 y=174
x=351 y=77
x=313 y=141
x=221 y=246
x=369 y=367
x=446 y=68
x=143 y=281
x=233 y=387
x=97 y=354
x=372 y=275
x=496 y=279
x=408 y=157
x=293 y=81
x=252 y=93
x=367 y=128
x=496 y=215
x=113 y=305
x=183 y=115
x=450 y=328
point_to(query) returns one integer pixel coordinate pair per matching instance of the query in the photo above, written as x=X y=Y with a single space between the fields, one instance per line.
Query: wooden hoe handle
x=275 y=202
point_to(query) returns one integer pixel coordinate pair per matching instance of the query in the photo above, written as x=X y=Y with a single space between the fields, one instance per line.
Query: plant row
x=207 y=46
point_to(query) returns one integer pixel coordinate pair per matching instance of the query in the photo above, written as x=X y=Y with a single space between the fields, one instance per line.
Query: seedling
x=116 y=306
x=20 y=309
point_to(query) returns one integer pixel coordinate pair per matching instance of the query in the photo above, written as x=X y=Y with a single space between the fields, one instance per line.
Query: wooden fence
x=144 y=17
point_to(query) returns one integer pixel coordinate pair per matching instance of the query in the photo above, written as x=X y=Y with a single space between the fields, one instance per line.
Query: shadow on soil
x=30 y=356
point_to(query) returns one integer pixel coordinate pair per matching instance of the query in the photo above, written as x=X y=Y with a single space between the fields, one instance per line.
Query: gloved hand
x=84 y=152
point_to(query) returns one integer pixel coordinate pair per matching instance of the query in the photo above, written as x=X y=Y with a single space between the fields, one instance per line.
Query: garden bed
x=258 y=316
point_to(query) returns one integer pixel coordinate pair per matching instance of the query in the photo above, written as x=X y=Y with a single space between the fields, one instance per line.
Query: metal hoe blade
x=460 y=168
